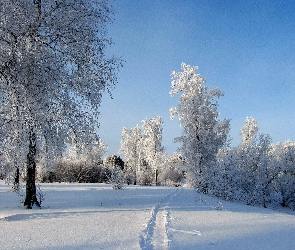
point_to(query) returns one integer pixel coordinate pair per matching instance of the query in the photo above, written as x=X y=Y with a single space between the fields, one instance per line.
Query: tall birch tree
x=53 y=71
x=202 y=133
x=131 y=148
x=152 y=148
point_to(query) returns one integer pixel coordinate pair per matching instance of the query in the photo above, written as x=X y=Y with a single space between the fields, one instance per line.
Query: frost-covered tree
x=266 y=172
x=170 y=169
x=246 y=173
x=246 y=157
x=142 y=150
x=202 y=133
x=151 y=144
x=225 y=175
x=249 y=131
x=283 y=161
x=253 y=161
x=90 y=151
x=53 y=71
x=131 y=145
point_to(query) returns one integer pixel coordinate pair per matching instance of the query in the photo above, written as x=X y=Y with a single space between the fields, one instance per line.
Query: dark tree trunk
x=31 y=197
x=156 y=177
x=16 y=180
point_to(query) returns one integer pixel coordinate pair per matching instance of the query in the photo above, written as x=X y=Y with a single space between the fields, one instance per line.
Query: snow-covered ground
x=93 y=216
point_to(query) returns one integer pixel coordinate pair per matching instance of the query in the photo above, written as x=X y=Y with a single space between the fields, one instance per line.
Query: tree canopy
x=53 y=69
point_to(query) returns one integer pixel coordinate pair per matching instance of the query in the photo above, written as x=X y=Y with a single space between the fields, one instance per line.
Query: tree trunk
x=16 y=179
x=31 y=197
x=156 y=177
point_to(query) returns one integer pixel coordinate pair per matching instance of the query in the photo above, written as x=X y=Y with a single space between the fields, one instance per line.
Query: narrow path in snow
x=155 y=235
x=160 y=238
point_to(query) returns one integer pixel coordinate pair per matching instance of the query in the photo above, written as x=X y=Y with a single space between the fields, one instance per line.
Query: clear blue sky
x=246 y=48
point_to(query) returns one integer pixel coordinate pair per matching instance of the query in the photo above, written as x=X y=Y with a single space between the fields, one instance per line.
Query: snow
x=94 y=216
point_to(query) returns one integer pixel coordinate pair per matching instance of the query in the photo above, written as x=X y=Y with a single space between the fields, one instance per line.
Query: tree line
x=256 y=172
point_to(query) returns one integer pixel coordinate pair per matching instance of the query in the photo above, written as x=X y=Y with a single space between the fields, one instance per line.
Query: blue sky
x=246 y=48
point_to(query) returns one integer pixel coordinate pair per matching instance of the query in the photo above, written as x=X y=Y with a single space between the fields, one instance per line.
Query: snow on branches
x=202 y=134
x=53 y=68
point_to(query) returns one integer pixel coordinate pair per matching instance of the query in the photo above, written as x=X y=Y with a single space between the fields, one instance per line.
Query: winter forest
x=53 y=73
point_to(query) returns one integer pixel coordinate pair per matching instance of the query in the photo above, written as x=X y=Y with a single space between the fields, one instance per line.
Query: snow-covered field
x=93 y=216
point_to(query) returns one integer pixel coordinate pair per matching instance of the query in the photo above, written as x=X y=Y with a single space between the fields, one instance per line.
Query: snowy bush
x=83 y=164
x=113 y=167
x=116 y=177
x=75 y=172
